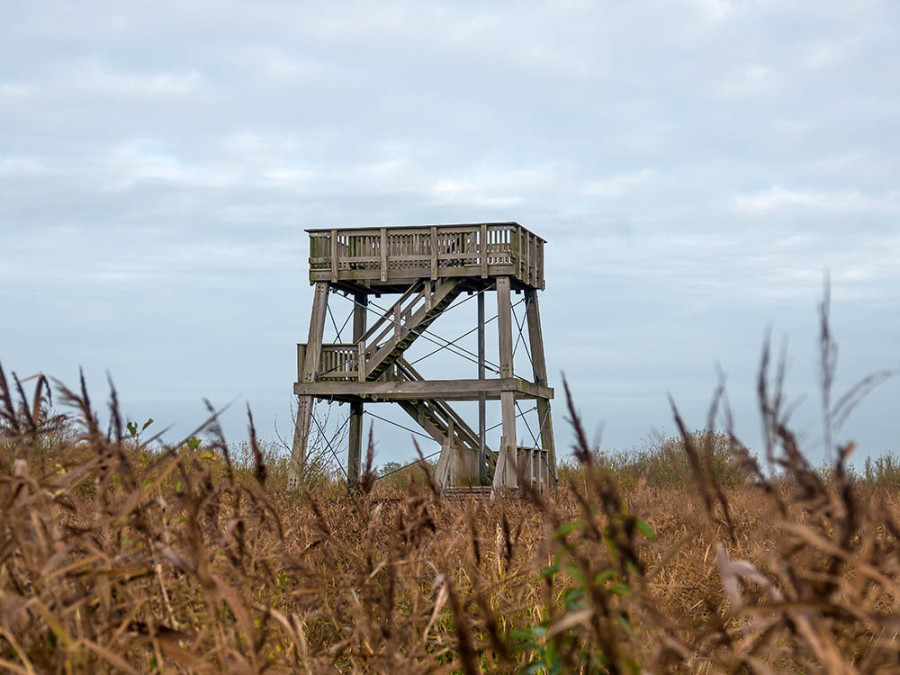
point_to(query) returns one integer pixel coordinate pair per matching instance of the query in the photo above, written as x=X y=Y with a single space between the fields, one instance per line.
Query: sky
x=696 y=167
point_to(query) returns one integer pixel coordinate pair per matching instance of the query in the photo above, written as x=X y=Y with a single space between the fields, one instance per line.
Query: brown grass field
x=116 y=558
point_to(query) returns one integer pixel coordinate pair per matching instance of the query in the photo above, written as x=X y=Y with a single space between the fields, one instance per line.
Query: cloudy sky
x=695 y=166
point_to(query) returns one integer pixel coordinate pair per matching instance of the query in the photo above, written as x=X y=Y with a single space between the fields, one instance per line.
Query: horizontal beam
x=448 y=390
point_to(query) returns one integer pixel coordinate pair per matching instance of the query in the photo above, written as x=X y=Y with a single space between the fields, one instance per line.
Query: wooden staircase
x=437 y=417
x=402 y=323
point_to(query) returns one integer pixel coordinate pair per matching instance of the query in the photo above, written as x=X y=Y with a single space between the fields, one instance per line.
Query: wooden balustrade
x=339 y=362
x=392 y=256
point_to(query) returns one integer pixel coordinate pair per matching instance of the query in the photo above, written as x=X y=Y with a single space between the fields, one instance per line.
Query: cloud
x=21 y=166
x=619 y=185
x=95 y=77
x=749 y=80
x=712 y=11
x=777 y=198
x=449 y=191
x=822 y=56
x=134 y=162
x=15 y=93
x=291 y=178
x=282 y=66
x=186 y=146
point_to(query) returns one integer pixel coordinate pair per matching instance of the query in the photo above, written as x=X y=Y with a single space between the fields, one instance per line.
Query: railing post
x=384 y=254
x=483 y=251
x=334 y=256
x=434 y=255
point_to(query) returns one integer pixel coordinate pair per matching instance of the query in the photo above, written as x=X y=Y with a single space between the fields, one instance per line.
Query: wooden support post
x=354 y=454
x=507 y=398
x=536 y=340
x=305 y=403
x=482 y=398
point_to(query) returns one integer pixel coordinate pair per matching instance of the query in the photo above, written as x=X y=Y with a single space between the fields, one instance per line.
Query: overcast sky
x=696 y=168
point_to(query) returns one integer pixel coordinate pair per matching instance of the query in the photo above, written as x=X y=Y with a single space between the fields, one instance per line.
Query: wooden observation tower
x=426 y=271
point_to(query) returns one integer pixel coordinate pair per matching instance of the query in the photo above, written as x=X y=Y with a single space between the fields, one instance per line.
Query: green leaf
x=575 y=572
x=603 y=577
x=620 y=589
x=551 y=571
x=572 y=598
x=645 y=529
x=523 y=646
x=612 y=548
x=566 y=529
x=147 y=424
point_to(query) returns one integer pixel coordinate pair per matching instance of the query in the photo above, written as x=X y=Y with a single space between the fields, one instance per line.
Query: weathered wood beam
x=312 y=355
x=354 y=455
x=507 y=398
x=536 y=340
x=450 y=390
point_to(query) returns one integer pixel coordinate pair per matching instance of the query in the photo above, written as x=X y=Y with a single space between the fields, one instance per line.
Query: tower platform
x=428 y=268
x=390 y=259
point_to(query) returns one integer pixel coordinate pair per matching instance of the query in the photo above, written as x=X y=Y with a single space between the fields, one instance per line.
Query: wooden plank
x=410 y=276
x=442 y=470
x=504 y=327
x=536 y=342
x=434 y=253
x=449 y=390
x=529 y=277
x=316 y=328
x=334 y=256
x=508 y=419
x=483 y=251
x=301 y=360
x=384 y=254
x=505 y=471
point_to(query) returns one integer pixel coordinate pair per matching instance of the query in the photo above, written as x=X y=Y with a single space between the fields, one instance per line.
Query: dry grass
x=113 y=558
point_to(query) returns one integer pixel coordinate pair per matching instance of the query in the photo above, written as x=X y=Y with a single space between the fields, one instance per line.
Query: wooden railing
x=337 y=362
x=397 y=254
